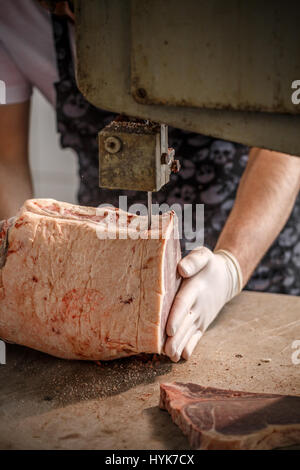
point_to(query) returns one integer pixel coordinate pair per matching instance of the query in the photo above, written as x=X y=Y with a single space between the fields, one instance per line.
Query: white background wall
x=54 y=170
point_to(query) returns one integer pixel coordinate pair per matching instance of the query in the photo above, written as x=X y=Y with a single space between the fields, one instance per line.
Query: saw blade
x=149 y=209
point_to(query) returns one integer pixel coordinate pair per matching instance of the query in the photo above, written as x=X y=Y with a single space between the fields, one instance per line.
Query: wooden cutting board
x=48 y=403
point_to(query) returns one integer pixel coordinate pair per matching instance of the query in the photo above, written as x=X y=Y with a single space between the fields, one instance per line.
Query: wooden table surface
x=48 y=403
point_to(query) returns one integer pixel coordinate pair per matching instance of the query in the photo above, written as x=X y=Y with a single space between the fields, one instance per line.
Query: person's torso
x=26 y=33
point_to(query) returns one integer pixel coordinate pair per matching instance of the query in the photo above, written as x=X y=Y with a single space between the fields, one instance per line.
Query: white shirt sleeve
x=18 y=88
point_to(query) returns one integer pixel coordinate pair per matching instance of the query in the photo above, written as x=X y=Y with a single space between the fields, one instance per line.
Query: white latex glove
x=210 y=281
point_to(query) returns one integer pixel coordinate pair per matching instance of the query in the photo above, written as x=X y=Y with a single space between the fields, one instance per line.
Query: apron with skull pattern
x=210 y=173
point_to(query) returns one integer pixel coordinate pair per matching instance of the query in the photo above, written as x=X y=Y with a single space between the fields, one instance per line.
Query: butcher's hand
x=210 y=280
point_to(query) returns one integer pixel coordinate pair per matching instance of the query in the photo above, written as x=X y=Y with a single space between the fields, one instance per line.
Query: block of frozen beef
x=225 y=419
x=75 y=286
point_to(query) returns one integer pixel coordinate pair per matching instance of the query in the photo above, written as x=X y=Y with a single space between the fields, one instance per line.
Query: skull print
x=221 y=152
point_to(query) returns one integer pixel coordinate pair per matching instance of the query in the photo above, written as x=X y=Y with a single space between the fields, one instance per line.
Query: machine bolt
x=165 y=158
x=112 y=144
x=141 y=93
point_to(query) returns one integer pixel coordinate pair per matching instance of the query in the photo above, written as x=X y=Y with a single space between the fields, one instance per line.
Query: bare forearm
x=15 y=188
x=265 y=198
x=15 y=179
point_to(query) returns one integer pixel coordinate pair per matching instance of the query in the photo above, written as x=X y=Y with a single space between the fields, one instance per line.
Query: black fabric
x=210 y=174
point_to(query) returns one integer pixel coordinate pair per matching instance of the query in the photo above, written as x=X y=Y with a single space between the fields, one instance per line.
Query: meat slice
x=225 y=419
x=68 y=289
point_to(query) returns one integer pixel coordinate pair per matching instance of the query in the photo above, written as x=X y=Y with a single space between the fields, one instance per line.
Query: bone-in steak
x=225 y=419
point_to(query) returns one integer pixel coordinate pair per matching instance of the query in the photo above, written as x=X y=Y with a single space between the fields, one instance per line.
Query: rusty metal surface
x=48 y=403
x=214 y=54
x=103 y=38
x=130 y=156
